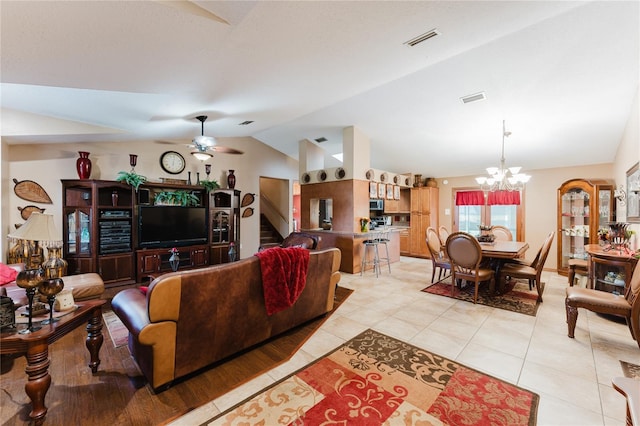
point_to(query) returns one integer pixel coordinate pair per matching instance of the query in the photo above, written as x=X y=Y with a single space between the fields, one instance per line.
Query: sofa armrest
x=131 y=307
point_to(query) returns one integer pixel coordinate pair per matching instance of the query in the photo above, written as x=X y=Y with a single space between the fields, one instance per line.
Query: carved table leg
x=39 y=379
x=572 y=318
x=95 y=338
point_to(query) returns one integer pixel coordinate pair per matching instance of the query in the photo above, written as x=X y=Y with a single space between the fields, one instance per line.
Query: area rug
x=630 y=370
x=375 y=379
x=118 y=332
x=516 y=298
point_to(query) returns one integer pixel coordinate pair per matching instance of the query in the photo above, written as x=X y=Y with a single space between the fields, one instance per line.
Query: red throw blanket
x=284 y=275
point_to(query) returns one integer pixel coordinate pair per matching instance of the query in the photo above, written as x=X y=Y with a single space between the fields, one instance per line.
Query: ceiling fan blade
x=225 y=150
x=192 y=8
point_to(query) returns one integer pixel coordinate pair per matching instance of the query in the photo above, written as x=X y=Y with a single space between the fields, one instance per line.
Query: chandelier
x=503 y=178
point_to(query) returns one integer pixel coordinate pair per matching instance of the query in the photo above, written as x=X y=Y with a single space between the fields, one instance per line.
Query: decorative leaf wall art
x=31 y=191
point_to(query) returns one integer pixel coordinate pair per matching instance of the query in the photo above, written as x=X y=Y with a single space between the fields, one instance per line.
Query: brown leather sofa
x=189 y=320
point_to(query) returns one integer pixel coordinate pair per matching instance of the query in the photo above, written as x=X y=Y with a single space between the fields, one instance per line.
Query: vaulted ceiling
x=562 y=74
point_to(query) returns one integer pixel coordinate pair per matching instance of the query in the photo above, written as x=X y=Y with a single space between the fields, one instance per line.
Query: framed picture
x=381 y=190
x=633 y=194
x=396 y=192
x=389 y=191
x=373 y=190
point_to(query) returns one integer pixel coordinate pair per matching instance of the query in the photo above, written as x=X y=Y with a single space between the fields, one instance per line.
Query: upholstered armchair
x=626 y=306
x=465 y=255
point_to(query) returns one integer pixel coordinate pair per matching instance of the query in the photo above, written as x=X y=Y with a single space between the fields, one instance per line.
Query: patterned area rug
x=375 y=379
x=517 y=296
x=118 y=332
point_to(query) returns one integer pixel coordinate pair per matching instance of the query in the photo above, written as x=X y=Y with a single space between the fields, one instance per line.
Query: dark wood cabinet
x=224 y=224
x=154 y=262
x=609 y=270
x=98 y=229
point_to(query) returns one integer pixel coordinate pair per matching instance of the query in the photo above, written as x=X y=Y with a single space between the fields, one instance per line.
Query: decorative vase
x=232 y=252
x=188 y=178
x=431 y=183
x=197 y=178
x=231 y=180
x=55 y=266
x=417 y=181
x=114 y=198
x=83 y=165
x=174 y=261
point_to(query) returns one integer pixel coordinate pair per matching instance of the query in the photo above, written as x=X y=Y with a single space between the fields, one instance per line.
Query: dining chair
x=502 y=233
x=439 y=259
x=531 y=272
x=626 y=306
x=465 y=255
x=443 y=233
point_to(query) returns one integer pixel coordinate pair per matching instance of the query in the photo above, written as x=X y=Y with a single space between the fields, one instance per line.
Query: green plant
x=180 y=198
x=132 y=178
x=210 y=185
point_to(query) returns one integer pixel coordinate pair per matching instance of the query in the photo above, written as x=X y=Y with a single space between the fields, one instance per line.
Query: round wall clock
x=172 y=162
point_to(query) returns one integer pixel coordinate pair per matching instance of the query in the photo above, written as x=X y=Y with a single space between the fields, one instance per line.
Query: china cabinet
x=224 y=229
x=584 y=206
x=98 y=229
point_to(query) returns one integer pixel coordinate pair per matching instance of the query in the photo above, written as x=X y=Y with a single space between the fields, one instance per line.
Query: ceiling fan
x=203 y=144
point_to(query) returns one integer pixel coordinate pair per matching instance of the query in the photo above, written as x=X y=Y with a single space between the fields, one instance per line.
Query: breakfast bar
x=352 y=247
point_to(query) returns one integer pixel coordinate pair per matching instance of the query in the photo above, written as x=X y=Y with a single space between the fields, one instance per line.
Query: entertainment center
x=121 y=234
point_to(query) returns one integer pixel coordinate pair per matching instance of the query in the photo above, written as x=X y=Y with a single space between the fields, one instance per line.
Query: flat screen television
x=172 y=226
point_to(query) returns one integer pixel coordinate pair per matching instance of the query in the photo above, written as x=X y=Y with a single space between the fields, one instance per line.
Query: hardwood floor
x=119 y=395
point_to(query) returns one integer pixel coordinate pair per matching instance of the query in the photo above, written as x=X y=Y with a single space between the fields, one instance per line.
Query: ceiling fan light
x=202 y=156
x=492 y=170
x=514 y=170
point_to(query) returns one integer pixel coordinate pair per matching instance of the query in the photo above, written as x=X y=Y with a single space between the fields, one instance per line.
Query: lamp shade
x=39 y=227
x=201 y=155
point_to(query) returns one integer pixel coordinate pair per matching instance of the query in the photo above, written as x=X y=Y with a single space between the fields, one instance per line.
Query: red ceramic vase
x=83 y=165
x=231 y=180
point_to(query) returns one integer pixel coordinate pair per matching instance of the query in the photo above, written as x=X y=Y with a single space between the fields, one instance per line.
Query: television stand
x=155 y=262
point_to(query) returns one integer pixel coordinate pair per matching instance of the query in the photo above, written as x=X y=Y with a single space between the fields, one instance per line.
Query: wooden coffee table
x=35 y=347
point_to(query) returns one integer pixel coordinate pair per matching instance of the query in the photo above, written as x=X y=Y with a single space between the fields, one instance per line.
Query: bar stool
x=371 y=244
x=577 y=265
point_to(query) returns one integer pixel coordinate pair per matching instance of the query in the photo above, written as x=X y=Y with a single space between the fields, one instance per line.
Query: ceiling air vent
x=320 y=140
x=245 y=123
x=423 y=37
x=472 y=98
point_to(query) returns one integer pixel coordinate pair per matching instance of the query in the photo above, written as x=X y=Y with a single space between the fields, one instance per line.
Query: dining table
x=499 y=252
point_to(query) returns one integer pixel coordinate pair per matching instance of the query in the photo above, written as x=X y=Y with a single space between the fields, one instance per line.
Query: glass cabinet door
x=78 y=233
x=220 y=226
x=575 y=211
x=604 y=208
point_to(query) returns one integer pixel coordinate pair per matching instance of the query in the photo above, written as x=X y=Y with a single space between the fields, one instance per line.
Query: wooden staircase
x=269 y=237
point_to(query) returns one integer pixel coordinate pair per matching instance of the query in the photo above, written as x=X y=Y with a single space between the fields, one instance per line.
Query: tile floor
x=572 y=376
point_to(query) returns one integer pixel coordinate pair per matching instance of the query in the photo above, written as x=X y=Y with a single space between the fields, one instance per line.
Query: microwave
x=376 y=204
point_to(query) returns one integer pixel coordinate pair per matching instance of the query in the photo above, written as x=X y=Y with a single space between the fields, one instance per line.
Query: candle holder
x=29 y=279
x=50 y=288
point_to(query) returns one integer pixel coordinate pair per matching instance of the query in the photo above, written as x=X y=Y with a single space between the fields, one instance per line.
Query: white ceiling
x=562 y=74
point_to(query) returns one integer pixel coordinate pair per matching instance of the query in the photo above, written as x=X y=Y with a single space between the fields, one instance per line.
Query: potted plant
x=177 y=198
x=132 y=178
x=210 y=185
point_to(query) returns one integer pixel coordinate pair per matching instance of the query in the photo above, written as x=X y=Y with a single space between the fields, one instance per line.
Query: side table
x=35 y=347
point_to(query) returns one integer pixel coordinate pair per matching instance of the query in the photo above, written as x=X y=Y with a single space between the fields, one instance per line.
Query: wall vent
x=423 y=37
x=320 y=140
x=473 y=98
x=245 y=123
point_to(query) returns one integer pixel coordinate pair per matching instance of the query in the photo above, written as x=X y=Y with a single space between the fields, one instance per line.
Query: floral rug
x=517 y=297
x=375 y=379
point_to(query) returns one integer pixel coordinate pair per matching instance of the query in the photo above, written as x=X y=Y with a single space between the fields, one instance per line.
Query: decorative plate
x=384 y=177
x=306 y=178
x=396 y=179
x=340 y=173
x=369 y=174
x=322 y=176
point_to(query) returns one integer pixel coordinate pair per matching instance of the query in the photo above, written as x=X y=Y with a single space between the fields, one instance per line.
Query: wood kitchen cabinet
x=404 y=242
x=424 y=213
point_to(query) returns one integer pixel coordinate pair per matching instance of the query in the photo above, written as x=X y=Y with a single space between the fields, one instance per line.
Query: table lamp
x=40 y=230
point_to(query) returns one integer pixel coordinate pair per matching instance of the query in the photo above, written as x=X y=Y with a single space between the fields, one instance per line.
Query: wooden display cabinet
x=224 y=224
x=154 y=262
x=98 y=229
x=609 y=270
x=584 y=206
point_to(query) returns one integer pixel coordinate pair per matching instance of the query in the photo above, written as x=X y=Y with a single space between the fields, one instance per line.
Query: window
x=473 y=208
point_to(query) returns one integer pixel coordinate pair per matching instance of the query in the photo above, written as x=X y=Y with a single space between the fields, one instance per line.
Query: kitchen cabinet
x=424 y=213
x=401 y=205
x=584 y=206
x=404 y=242
x=97 y=229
